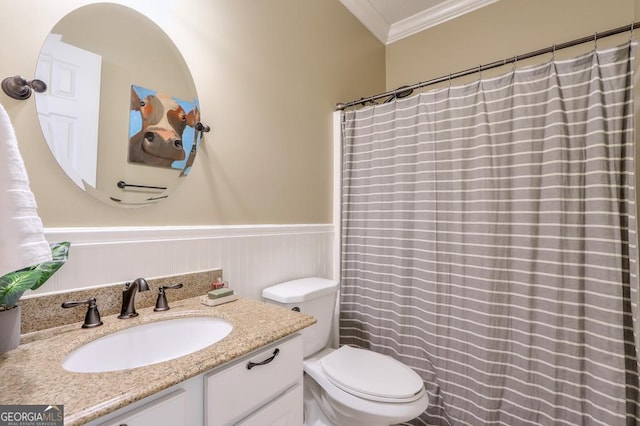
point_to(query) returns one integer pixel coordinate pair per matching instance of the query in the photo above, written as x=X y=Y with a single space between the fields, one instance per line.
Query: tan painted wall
x=502 y=30
x=268 y=74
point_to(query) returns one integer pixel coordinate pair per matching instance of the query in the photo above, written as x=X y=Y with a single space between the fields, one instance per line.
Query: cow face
x=163 y=122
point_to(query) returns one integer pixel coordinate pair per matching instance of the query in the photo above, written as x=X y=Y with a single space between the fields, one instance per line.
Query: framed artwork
x=162 y=130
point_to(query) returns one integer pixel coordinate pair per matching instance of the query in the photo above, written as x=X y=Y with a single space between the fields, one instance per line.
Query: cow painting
x=157 y=129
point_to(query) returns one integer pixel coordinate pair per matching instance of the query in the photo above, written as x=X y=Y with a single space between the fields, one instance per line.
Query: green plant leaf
x=60 y=254
x=14 y=284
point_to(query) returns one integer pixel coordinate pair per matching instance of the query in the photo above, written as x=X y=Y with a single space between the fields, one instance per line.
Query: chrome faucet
x=129 y=296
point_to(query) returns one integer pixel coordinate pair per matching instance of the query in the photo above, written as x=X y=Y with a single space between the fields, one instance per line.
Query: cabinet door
x=166 y=411
x=234 y=392
x=286 y=410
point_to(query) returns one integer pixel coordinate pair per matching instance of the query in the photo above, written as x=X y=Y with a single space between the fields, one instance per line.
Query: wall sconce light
x=19 y=88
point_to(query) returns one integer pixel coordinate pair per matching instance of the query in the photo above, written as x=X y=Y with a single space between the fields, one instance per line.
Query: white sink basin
x=147 y=344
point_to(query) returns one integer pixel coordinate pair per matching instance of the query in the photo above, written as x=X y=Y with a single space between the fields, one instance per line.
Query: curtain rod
x=406 y=90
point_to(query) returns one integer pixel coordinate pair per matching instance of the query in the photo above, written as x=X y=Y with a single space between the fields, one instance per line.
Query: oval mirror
x=120 y=113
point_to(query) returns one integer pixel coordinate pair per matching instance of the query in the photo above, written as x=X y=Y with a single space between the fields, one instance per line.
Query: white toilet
x=346 y=386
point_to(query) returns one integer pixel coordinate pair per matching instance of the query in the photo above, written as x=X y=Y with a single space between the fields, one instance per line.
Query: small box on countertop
x=205 y=300
x=220 y=292
x=218 y=283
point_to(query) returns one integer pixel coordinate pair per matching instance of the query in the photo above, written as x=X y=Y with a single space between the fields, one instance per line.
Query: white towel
x=22 y=241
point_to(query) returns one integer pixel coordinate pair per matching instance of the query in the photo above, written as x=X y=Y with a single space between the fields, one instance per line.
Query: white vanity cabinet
x=268 y=393
x=179 y=405
x=167 y=410
x=264 y=388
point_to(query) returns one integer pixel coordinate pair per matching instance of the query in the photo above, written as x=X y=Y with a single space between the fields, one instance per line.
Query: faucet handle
x=92 y=317
x=161 y=302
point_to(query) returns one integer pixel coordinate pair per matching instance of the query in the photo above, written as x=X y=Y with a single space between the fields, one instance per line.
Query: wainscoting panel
x=251 y=257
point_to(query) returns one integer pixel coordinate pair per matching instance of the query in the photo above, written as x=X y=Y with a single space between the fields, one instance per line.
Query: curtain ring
x=480 y=71
x=631 y=32
x=515 y=63
x=595 y=40
x=449 y=80
x=553 y=54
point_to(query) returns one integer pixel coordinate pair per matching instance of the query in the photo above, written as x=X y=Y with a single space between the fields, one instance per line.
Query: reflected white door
x=69 y=109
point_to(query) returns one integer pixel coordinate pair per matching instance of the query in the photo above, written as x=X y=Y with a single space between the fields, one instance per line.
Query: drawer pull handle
x=250 y=364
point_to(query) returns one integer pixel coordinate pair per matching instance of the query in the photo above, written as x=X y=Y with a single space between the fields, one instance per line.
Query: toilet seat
x=372 y=376
x=356 y=410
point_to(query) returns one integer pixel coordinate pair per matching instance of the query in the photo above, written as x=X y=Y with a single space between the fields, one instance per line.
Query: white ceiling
x=392 y=20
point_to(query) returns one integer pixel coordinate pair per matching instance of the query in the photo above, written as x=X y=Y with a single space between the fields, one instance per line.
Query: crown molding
x=443 y=12
x=389 y=33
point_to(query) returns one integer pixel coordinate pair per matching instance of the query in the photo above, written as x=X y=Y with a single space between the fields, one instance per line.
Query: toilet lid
x=371 y=375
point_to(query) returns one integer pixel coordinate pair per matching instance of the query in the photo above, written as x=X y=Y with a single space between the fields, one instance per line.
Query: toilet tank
x=312 y=296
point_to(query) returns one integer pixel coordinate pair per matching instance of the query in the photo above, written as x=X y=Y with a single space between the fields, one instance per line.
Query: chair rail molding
x=251 y=257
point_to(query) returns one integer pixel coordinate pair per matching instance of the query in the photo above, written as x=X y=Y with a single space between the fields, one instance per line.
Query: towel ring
x=17 y=87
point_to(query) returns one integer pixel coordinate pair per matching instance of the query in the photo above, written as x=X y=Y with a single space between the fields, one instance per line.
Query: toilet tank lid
x=300 y=290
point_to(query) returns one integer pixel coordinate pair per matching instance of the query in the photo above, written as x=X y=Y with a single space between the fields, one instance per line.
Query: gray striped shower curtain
x=489 y=242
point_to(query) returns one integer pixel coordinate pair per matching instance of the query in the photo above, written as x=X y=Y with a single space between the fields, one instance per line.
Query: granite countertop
x=33 y=373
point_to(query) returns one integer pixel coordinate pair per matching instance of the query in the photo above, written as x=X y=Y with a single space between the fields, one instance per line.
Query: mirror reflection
x=121 y=111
